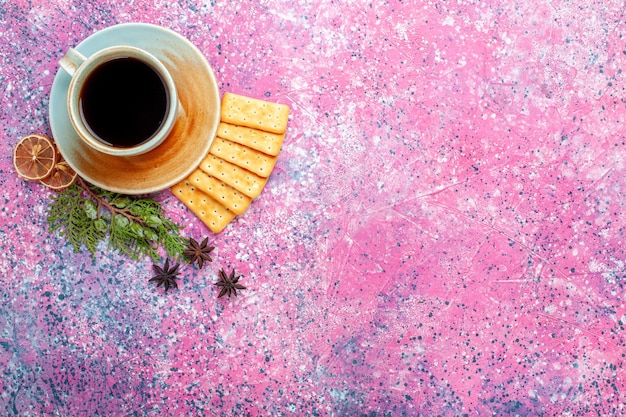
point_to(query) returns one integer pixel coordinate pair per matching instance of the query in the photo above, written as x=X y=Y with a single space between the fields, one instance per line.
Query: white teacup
x=121 y=100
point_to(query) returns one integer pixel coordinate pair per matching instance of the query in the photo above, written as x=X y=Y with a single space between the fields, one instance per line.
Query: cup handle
x=71 y=61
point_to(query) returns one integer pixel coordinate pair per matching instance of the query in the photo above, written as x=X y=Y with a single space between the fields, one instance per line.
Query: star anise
x=166 y=276
x=229 y=284
x=198 y=252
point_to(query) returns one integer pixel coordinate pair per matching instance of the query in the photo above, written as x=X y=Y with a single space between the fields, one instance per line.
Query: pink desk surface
x=443 y=234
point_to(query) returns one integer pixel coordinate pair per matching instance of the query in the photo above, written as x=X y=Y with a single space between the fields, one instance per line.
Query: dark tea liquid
x=124 y=102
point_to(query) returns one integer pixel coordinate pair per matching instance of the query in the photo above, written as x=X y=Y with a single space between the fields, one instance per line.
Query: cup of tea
x=121 y=100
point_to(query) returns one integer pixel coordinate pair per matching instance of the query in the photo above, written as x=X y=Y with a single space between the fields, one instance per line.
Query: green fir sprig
x=86 y=215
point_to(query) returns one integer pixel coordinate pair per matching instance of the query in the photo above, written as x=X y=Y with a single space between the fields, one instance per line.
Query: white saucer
x=191 y=137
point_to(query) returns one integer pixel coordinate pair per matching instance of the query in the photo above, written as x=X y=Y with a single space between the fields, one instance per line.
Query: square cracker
x=247 y=158
x=240 y=179
x=223 y=193
x=214 y=215
x=258 y=114
x=260 y=140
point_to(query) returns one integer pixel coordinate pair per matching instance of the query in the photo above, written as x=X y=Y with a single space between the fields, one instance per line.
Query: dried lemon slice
x=34 y=157
x=62 y=175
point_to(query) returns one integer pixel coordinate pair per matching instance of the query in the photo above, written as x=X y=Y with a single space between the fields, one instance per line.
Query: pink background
x=443 y=233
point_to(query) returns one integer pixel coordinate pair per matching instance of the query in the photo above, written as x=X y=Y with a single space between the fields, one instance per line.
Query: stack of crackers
x=239 y=162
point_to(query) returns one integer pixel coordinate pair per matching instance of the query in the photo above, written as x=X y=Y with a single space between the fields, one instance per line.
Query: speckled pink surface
x=443 y=234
